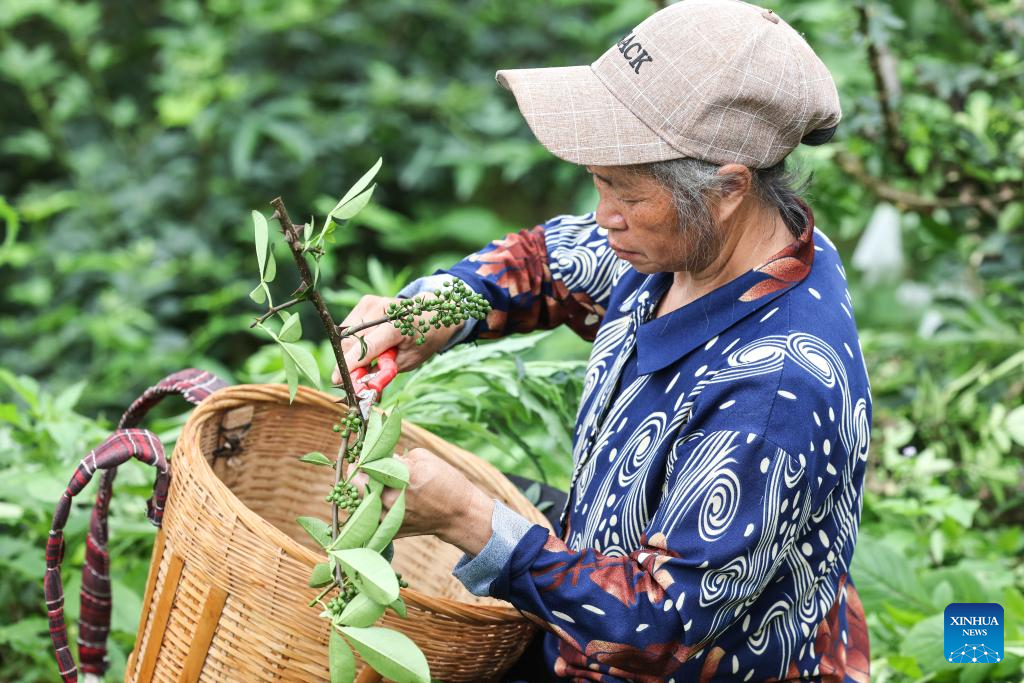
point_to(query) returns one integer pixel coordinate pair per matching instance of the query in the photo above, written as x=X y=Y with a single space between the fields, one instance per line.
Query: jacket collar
x=662 y=341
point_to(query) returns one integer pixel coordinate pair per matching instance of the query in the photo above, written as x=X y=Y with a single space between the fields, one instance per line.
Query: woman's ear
x=738 y=180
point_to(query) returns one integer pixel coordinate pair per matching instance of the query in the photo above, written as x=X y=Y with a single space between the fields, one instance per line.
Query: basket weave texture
x=227 y=594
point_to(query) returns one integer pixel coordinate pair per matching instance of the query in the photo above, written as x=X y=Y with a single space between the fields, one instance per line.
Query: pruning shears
x=370 y=385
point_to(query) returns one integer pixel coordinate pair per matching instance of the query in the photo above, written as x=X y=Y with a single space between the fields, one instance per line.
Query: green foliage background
x=137 y=136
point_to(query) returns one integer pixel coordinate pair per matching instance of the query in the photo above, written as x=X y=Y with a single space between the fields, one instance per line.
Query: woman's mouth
x=622 y=253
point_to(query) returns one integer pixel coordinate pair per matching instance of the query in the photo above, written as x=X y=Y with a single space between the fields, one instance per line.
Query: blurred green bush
x=137 y=136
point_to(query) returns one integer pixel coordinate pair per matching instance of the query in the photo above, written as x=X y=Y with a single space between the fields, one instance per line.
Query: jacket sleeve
x=559 y=272
x=713 y=544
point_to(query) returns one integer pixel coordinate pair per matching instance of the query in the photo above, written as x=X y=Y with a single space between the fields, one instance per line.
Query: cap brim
x=576 y=118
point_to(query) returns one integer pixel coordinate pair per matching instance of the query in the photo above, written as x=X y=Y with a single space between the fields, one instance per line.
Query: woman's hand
x=382 y=337
x=439 y=500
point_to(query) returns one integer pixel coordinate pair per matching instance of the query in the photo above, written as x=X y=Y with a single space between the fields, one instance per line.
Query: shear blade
x=367 y=397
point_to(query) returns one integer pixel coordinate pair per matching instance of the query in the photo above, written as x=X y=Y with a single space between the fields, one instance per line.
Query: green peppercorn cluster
x=402 y=583
x=452 y=305
x=345 y=496
x=345 y=595
x=351 y=424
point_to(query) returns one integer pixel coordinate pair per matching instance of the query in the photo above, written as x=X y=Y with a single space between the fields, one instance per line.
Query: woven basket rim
x=188 y=450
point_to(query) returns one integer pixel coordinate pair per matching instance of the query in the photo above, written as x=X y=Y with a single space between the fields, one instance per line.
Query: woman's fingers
x=360 y=481
x=377 y=340
x=388 y=499
x=383 y=336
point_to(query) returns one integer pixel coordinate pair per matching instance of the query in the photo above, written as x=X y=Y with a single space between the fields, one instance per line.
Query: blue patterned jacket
x=719 y=458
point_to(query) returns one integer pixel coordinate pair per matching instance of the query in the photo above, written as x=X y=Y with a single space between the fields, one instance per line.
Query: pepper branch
x=291 y=236
x=276 y=309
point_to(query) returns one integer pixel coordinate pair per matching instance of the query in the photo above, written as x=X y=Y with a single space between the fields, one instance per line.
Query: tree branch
x=275 y=309
x=905 y=199
x=890 y=117
x=291 y=236
x=349 y=331
x=963 y=18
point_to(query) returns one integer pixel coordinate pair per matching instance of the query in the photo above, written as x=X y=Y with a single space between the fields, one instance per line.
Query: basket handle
x=124 y=444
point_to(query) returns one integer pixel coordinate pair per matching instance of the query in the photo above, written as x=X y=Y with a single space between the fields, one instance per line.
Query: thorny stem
x=275 y=309
x=291 y=236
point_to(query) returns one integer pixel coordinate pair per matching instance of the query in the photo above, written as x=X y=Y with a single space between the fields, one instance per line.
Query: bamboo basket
x=226 y=598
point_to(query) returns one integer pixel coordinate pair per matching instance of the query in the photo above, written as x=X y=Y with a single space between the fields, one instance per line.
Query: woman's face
x=641 y=220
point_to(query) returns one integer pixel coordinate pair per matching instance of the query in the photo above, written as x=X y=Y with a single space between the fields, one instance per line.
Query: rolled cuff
x=507 y=529
x=430 y=284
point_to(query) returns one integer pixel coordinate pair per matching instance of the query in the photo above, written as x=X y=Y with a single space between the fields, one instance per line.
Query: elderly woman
x=721 y=440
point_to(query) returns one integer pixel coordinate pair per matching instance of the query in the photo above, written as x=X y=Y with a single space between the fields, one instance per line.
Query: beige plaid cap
x=718 y=80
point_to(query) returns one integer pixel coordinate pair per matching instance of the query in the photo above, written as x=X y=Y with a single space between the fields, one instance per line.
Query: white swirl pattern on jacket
x=590 y=269
x=709 y=483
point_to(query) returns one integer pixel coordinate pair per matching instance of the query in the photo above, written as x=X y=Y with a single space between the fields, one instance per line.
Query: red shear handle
x=126 y=443
x=386 y=371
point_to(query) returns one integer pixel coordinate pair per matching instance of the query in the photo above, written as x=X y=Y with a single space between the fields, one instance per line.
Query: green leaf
x=976 y=673
x=350 y=197
x=1015 y=425
x=304 y=361
x=370 y=572
x=68 y=398
x=360 y=184
x=1011 y=217
x=391 y=654
x=362 y=611
x=291 y=376
x=388 y=471
x=399 y=607
x=9 y=512
x=390 y=525
x=10 y=217
x=884 y=576
x=317 y=458
x=317 y=528
x=291 y=330
x=262 y=237
x=363 y=348
x=532 y=493
x=964 y=582
x=384 y=443
x=354 y=206
x=259 y=294
x=342 y=661
x=271 y=271
x=374 y=425
x=307 y=229
x=361 y=524
x=924 y=644
x=321 y=575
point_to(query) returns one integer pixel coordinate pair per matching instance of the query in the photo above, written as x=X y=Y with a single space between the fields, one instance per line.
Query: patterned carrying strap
x=126 y=443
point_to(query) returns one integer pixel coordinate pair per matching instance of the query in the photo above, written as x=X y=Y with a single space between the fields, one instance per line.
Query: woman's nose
x=608 y=216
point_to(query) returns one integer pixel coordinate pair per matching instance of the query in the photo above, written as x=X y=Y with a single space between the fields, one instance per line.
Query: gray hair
x=694 y=186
